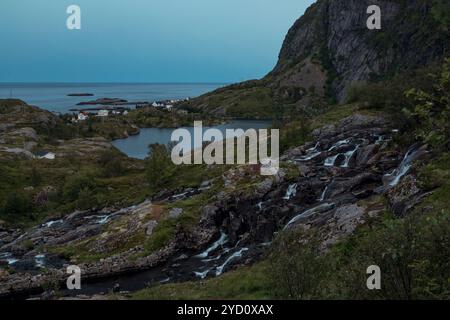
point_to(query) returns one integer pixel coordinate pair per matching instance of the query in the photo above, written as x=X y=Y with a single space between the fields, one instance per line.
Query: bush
x=111 y=164
x=159 y=166
x=86 y=199
x=297 y=269
x=16 y=204
x=35 y=177
x=412 y=253
x=294 y=134
x=82 y=181
x=431 y=109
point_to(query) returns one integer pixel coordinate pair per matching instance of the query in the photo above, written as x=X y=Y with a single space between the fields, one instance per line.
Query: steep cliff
x=329 y=49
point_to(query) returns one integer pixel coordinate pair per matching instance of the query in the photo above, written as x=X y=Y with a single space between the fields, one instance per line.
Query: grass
x=337 y=113
x=246 y=283
x=239 y=101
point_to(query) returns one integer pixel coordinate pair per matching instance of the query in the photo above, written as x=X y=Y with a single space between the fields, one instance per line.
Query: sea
x=54 y=96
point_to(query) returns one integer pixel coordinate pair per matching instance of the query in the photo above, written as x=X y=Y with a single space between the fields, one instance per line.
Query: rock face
x=330 y=48
x=336 y=31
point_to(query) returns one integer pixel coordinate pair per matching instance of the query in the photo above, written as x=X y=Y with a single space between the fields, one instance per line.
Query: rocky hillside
x=330 y=49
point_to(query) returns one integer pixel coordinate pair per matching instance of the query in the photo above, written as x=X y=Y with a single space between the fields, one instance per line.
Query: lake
x=137 y=146
x=53 y=96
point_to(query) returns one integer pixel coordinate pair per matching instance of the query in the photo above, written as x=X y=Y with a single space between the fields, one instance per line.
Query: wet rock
x=175 y=213
x=150 y=226
x=365 y=153
x=351 y=123
x=404 y=196
x=342 y=185
x=348 y=217
x=264 y=187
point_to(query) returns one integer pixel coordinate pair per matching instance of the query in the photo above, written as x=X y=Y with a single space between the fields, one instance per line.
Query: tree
x=159 y=166
x=431 y=111
x=111 y=164
x=298 y=269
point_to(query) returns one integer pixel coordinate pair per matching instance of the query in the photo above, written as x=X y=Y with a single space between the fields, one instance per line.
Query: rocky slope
x=330 y=49
x=332 y=184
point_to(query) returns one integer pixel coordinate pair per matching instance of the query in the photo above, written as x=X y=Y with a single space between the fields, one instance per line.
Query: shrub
x=412 y=254
x=75 y=184
x=297 y=269
x=111 y=164
x=159 y=166
x=431 y=110
x=16 y=204
x=86 y=199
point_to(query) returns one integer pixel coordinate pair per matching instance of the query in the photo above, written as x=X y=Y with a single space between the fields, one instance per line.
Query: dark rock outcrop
x=330 y=49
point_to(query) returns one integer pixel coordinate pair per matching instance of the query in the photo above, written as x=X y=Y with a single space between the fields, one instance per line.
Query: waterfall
x=237 y=254
x=348 y=156
x=51 y=223
x=222 y=240
x=309 y=157
x=291 y=192
x=306 y=214
x=324 y=193
x=200 y=274
x=7 y=256
x=329 y=162
x=39 y=260
x=338 y=144
x=404 y=166
x=313 y=148
x=259 y=205
x=102 y=219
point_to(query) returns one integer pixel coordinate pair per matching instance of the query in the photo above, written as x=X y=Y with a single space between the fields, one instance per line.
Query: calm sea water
x=137 y=146
x=53 y=96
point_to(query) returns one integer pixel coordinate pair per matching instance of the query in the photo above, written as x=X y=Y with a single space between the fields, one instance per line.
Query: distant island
x=103 y=101
x=80 y=95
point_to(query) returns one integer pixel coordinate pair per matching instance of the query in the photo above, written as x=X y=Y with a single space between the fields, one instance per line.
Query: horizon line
x=110 y=82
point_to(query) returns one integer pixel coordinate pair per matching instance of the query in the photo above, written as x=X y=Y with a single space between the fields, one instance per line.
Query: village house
x=82 y=116
x=103 y=113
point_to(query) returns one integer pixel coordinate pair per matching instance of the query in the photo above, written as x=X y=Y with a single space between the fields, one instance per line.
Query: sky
x=143 y=40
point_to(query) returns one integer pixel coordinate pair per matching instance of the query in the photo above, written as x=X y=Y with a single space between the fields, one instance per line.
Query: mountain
x=330 y=49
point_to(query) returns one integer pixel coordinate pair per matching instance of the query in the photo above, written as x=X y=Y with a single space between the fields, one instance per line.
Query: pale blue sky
x=143 y=40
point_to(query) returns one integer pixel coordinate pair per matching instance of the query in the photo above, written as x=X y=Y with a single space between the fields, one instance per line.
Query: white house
x=82 y=116
x=103 y=113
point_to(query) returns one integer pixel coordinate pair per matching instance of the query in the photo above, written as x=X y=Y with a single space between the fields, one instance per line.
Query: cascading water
x=324 y=194
x=222 y=240
x=51 y=223
x=7 y=256
x=201 y=275
x=39 y=260
x=102 y=219
x=259 y=206
x=309 y=157
x=338 y=144
x=329 y=162
x=348 y=156
x=308 y=213
x=291 y=192
x=237 y=254
x=313 y=148
x=404 y=167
